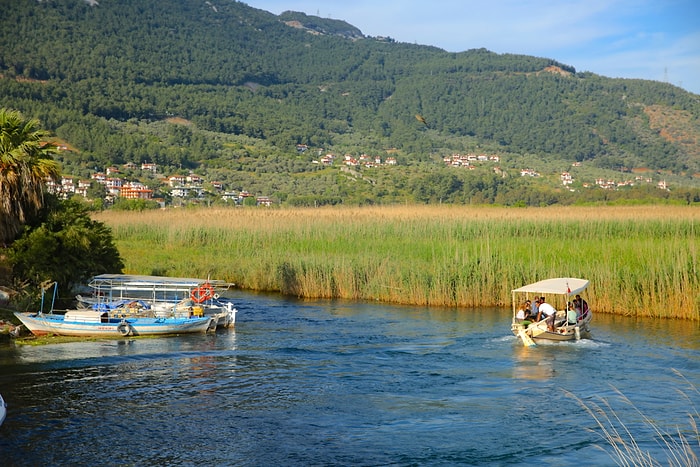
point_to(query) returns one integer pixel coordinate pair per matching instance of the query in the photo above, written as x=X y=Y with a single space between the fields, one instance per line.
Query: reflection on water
x=318 y=382
x=529 y=364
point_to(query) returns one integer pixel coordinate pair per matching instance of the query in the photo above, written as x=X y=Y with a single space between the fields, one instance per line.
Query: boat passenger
x=547 y=312
x=572 y=314
x=523 y=314
x=581 y=307
x=535 y=310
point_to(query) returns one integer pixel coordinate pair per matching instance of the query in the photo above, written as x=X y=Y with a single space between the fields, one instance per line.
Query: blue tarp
x=120 y=304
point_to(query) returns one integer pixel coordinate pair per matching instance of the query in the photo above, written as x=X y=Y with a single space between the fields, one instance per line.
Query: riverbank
x=641 y=260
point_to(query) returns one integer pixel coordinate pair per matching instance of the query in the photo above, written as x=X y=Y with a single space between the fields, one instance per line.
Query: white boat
x=3 y=410
x=161 y=296
x=91 y=323
x=102 y=323
x=570 y=322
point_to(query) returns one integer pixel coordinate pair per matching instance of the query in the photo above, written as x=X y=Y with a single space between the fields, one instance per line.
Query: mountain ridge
x=101 y=74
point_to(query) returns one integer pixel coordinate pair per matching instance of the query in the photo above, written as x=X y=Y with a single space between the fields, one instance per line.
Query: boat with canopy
x=570 y=318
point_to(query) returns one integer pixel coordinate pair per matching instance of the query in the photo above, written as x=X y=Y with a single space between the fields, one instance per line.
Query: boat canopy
x=559 y=286
x=135 y=282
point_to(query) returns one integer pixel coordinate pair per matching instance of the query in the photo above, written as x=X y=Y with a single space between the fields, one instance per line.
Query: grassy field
x=641 y=260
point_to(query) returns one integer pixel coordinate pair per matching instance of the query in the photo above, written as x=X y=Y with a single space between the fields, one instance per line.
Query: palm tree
x=26 y=163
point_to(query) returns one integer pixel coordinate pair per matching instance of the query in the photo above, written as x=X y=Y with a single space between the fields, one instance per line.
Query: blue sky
x=648 y=39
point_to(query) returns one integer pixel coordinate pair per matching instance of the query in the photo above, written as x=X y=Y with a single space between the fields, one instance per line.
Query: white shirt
x=547 y=309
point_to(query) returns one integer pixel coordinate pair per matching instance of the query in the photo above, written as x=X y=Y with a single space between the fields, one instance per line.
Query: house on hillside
x=176 y=180
x=263 y=201
x=135 y=190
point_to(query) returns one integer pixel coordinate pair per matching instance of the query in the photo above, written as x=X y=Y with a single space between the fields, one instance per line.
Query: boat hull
x=3 y=410
x=538 y=331
x=99 y=325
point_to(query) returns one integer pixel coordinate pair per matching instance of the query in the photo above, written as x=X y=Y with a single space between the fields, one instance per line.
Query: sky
x=648 y=39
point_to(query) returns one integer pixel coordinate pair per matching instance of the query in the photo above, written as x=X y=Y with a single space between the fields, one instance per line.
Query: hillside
x=109 y=77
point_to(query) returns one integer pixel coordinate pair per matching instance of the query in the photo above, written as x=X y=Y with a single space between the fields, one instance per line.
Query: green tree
x=67 y=247
x=25 y=164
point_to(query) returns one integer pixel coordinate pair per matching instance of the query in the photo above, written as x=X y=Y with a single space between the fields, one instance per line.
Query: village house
x=263 y=201
x=82 y=188
x=327 y=159
x=135 y=190
x=350 y=161
x=230 y=196
x=99 y=177
x=176 y=180
x=113 y=182
x=194 y=179
x=605 y=184
x=67 y=185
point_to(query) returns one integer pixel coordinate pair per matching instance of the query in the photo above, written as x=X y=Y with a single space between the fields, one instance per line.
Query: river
x=318 y=382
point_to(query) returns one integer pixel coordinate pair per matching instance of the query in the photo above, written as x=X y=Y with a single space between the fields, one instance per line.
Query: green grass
x=641 y=261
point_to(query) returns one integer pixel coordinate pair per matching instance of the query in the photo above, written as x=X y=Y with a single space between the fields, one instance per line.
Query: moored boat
x=103 y=323
x=91 y=323
x=570 y=318
x=160 y=296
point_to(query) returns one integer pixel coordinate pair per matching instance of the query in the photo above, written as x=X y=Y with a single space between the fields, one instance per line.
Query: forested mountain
x=229 y=91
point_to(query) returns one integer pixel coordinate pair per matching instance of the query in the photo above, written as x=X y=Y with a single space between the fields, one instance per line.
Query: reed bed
x=641 y=260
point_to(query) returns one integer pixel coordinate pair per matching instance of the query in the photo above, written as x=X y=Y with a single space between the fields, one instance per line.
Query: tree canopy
x=230 y=91
x=25 y=164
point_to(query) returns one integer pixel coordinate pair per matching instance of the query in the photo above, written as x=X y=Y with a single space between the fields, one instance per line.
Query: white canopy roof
x=133 y=281
x=559 y=286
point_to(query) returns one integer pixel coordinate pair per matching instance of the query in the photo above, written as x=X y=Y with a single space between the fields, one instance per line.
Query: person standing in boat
x=546 y=311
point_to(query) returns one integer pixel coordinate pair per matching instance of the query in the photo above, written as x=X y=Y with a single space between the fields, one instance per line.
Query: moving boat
x=159 y=296
x=102 y=323
x=571 y=318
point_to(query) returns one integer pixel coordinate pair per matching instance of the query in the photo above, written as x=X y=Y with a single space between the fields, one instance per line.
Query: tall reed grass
x=678 y=446
x=641 y=261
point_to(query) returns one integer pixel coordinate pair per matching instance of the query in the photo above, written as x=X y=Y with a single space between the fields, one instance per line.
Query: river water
x=342 y=383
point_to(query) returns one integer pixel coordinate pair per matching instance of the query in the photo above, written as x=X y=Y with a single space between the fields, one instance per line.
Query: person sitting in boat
x=581 y=307
x=523 y=314
x=546 y=311
x=535 y=313
x=572 y=314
